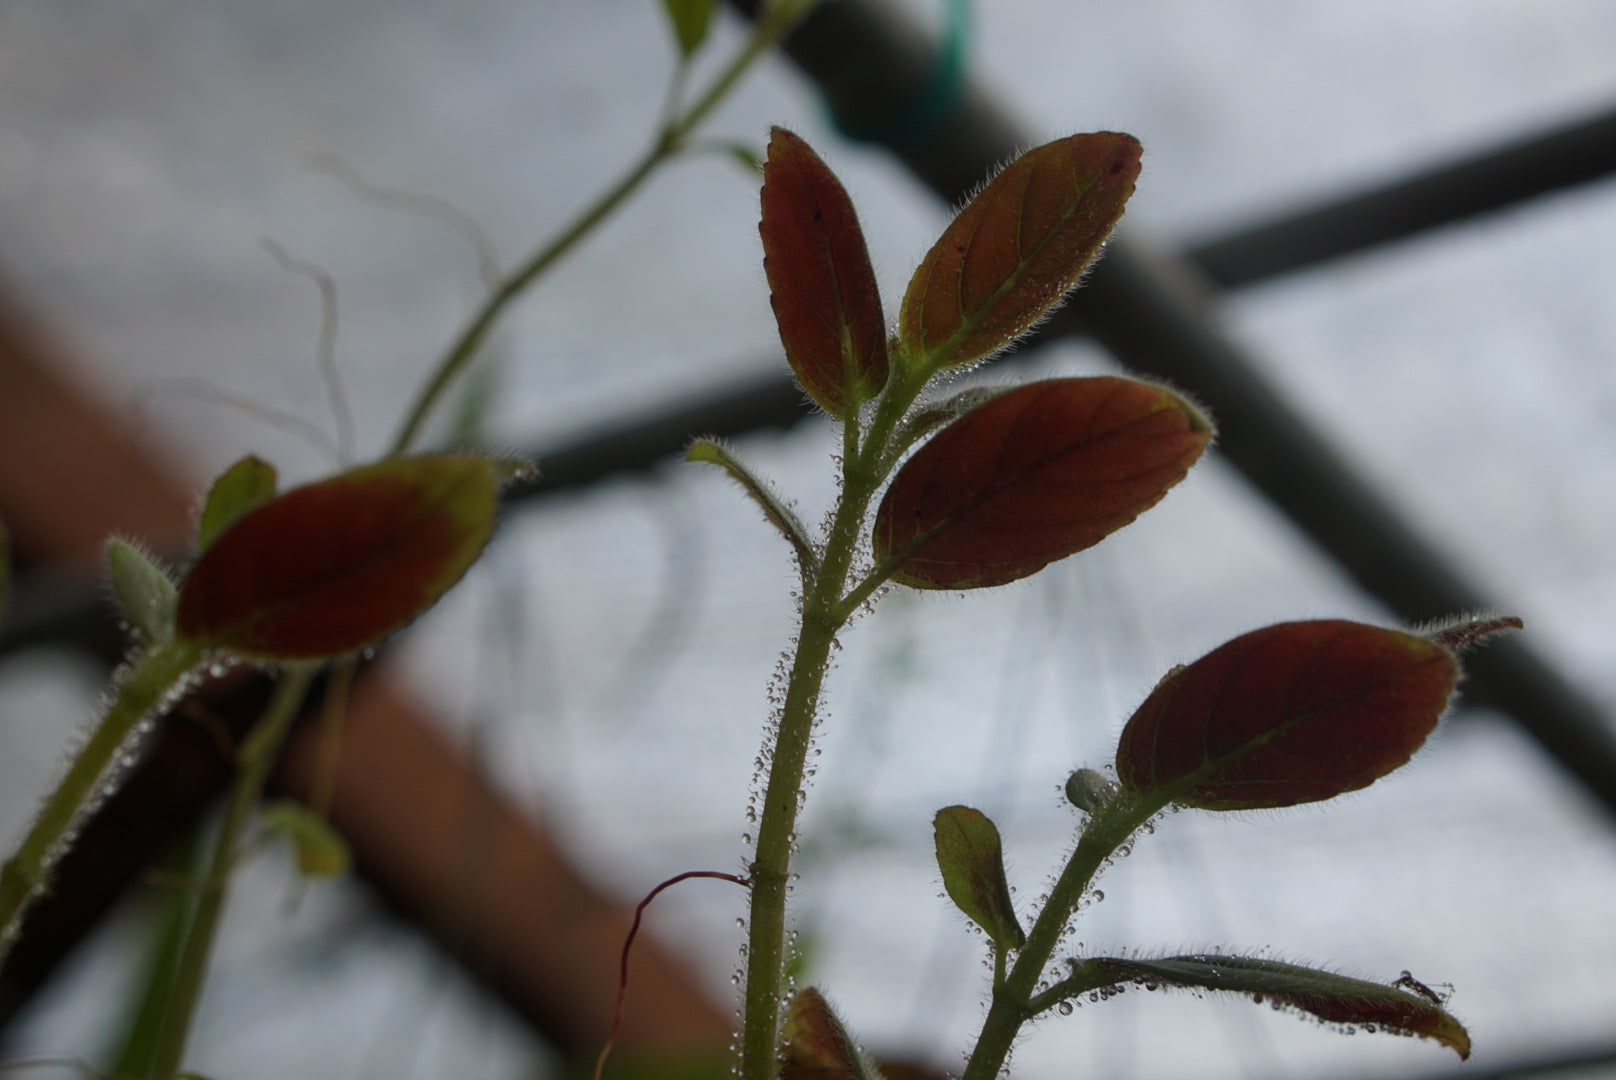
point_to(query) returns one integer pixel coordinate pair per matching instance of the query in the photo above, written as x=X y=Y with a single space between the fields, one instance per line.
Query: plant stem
x=670 y=141
x=1012 y=1001
x=825 y=610
x=146 y=684
x=770 y=872
x=258 y=755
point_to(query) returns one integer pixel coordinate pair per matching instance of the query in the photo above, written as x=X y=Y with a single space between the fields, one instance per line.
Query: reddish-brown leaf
x=1032 y=476
x=331 y=567
x=820 y=281
x=1329 y=995
x=817 y=1045
x=1017 y=248
x=1288 y=714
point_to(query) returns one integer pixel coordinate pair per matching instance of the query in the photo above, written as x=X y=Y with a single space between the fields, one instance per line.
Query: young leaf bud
x=971 y=858
x=1090 y=791
x=817 y=1044
x=143 y=589
x=244 y=486
x=320 y=850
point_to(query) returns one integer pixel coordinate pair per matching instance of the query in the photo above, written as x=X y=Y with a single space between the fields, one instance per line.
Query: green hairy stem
x=146 y=686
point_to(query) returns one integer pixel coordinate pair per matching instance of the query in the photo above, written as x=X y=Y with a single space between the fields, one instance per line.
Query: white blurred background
x=609 y=659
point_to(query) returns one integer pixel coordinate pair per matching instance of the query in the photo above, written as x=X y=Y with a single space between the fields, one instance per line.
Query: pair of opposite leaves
x=1028 y=476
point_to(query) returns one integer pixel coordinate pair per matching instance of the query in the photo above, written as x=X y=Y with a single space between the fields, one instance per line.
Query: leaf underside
x=1033 y=475
x=1291 y=713
x=1330 y=996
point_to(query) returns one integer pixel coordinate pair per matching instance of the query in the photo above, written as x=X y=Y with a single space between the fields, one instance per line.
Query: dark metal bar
x=1481 y=183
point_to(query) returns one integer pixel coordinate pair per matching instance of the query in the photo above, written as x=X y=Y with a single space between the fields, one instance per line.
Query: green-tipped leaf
x=244 y=486
x=817 y=1043
x=971 y=857
x=144 y=591
x=332 y=567
x=1288 y=714
x=1328 y=995
x=1017 y=248
x=320 y=850
x=821 y=284
x=1033 y=475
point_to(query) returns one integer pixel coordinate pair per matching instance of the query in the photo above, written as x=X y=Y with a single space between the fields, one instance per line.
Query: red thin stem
x=628 y=943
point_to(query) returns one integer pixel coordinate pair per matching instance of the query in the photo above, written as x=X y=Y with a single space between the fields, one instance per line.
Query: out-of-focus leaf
x=1017 y=248
x=1328 y=995
x=971 y=857
x=144 y=591
x=1033 y=475
x=1288 y=714
x=691 y=21
x=244 y=486
x=320 y=850
x=821 y=284
x=817 y=1044
x=332 y=567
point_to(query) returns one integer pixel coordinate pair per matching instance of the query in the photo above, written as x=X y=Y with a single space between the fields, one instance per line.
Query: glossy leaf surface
x=817 y=1045
x=1288 y=714
x=1017 y=248
x=821 y=284
x=144 y=591
x=329 y=568
x=1328 y=995
x=971 y=857
x=244 y=486
x=1034 y=475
